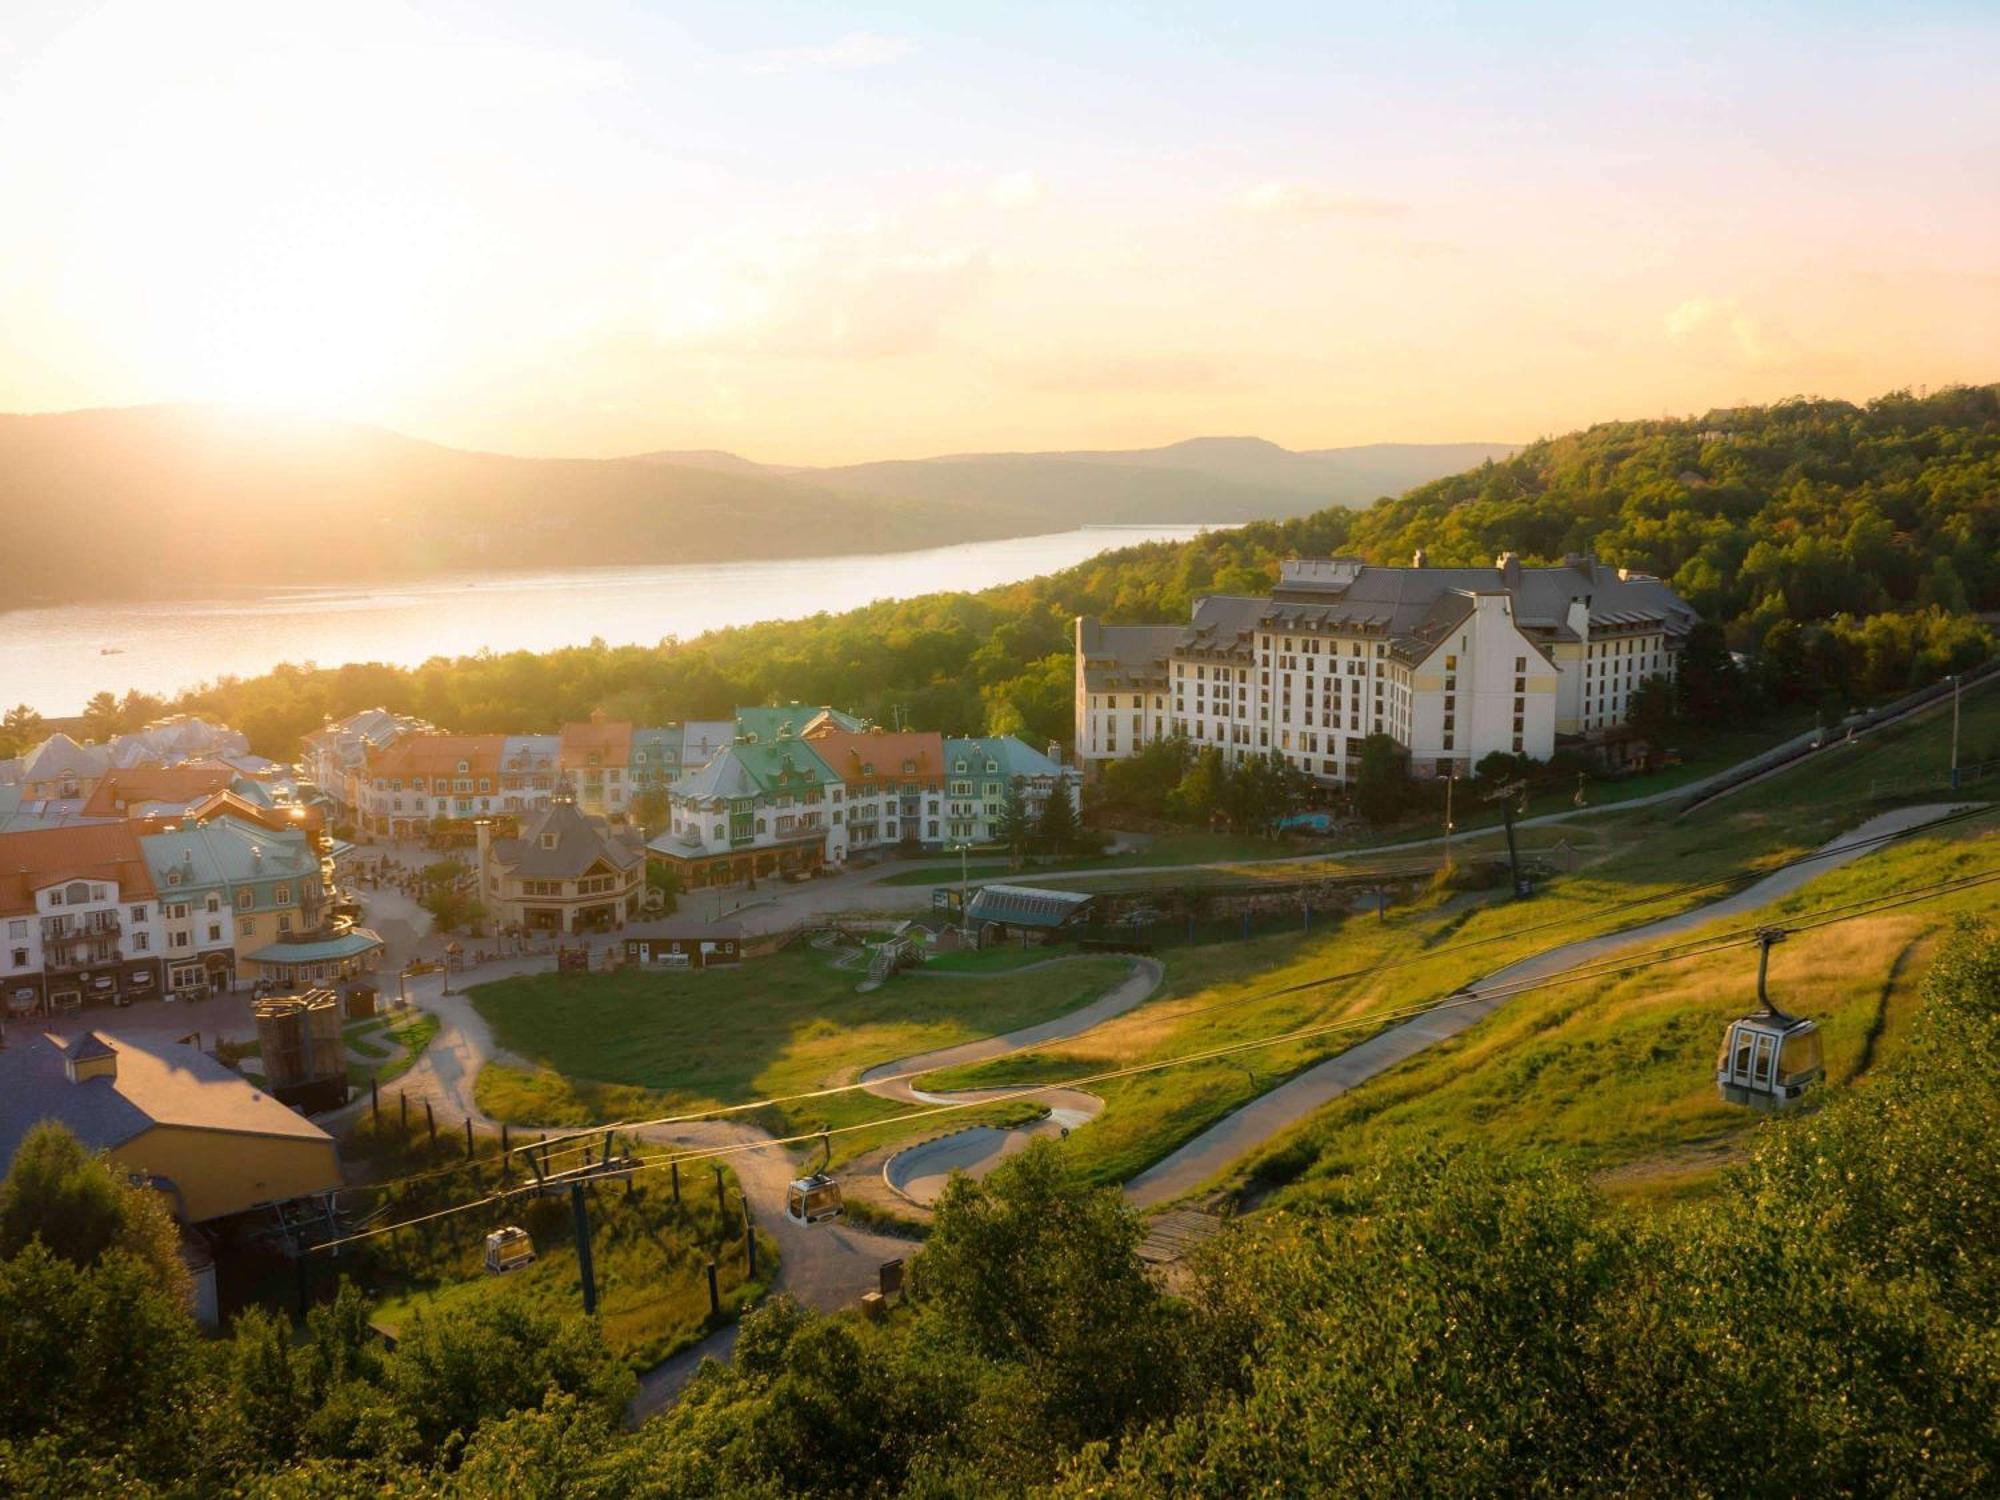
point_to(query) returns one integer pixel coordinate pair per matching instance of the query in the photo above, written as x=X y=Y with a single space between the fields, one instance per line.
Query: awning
x=351 y=944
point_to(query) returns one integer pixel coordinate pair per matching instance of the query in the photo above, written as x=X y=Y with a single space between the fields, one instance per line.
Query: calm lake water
x=52 y=658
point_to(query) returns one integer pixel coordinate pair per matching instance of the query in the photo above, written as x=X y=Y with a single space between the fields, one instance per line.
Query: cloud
x=1017 y=190
x=1719 y=327
x=846 y=54
x=1298 y=200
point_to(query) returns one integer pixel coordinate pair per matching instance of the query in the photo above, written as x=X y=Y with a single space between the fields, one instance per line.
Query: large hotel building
x=1453 y=663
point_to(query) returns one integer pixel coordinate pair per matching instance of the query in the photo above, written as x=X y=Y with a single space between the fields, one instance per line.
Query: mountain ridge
x=179 y=500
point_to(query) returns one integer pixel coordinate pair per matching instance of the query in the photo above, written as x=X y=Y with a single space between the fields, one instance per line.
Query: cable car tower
x=815 y=1199
x=1768 y=1059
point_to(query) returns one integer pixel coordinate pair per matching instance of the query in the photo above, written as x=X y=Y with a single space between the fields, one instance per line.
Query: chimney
x=1510 y=569
x=1055 y=752
x=1420 y=560
x=484 y=829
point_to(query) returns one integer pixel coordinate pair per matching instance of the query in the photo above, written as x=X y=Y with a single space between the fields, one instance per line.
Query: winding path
x=920 y=1172
x=1237 y=1134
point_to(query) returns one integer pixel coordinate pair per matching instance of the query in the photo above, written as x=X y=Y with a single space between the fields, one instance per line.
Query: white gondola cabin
x=1768 y=1060
x=508 y=1249
x=815 y=1199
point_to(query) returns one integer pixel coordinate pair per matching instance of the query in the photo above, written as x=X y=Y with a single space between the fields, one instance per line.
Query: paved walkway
x=1236 y=1135
x=920 y=1172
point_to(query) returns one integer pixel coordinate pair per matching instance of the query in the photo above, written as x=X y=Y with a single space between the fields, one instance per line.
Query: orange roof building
x=141 y=791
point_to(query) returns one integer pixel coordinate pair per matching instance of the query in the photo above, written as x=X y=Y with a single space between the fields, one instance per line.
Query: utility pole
x=1450 y=784
x=585 y=1271
x=1505 y=797
x=1956 y=678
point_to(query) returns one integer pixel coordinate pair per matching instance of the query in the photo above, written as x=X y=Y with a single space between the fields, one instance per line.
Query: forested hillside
x=1461 y=1322
x=1842 y=543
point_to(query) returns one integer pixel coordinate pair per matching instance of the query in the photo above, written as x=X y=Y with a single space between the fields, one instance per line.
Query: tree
x=664 y=878
x=1032 y=1270
x=650 y=810
x=1199 y=794
x=1650 y=712
x=73 y=1202
x=1016 y=831
x=1058 y=829
x=100 y=716
x=1707 y=682
x=1381 y=779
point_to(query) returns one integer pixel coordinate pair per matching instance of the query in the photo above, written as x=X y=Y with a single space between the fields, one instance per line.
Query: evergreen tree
x=1058 y=829
x=1016 y=832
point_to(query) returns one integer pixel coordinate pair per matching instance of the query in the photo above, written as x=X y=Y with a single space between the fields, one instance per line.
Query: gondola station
x=1768 y=1059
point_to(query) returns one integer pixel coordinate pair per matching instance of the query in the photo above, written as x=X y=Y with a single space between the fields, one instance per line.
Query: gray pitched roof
x=1125 y=656
x=1025 y=905
x=156 y=1083
x=59 y=756
x=580 y=842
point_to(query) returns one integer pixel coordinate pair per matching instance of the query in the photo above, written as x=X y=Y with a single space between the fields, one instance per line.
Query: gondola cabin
x=813 y=1200
x=508 y=1249
x=1768 y=1060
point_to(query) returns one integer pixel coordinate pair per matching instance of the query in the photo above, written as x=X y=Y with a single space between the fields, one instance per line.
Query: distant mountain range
x=184 y=501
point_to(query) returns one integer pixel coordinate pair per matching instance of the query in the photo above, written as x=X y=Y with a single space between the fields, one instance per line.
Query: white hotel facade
x=1453 y=663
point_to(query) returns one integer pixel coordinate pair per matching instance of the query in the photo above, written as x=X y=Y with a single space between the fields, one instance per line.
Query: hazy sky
x=819 y=232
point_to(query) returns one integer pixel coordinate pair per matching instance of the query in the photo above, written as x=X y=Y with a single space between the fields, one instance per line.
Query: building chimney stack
x=1420 y=560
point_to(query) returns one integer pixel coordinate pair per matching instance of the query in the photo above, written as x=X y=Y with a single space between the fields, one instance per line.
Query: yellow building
x=171 y=1116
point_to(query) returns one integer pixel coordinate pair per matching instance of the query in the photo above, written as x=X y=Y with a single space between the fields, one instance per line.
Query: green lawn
x=1223 y=994
x=384 y=1047
x=646 y=1043
x=1616 y=1074
x=649 y=1252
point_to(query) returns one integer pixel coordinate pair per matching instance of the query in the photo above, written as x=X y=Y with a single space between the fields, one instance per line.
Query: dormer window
x=958 y=765
x=548 y=841
x=992 y=766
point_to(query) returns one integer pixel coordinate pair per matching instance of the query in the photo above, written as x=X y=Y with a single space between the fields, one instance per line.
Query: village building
x=171 y=1116
x=687 y=945
x=981 y=774
x=79 y=919
x=568 y=871
x=757 y=809
x=596 y=760
x=1452 y=663
x=894 y=783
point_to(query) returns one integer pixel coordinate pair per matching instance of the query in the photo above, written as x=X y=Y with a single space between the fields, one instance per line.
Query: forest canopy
x=1869 y=531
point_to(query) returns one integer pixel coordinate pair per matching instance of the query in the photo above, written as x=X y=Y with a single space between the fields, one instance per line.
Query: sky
x=820 y=233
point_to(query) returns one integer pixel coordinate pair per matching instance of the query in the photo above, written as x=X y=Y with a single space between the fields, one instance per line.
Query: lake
x=53 y=659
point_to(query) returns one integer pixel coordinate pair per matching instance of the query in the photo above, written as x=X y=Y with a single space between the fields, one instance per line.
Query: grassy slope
x=773 y=1026
x=648 y=1251
x=1438 y=945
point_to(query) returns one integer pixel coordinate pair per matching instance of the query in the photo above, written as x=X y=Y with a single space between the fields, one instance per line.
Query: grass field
x=1617 y=1074
x=635 y=1043
x=649 y=1252
x=384 y=1047
x=1231 y=993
